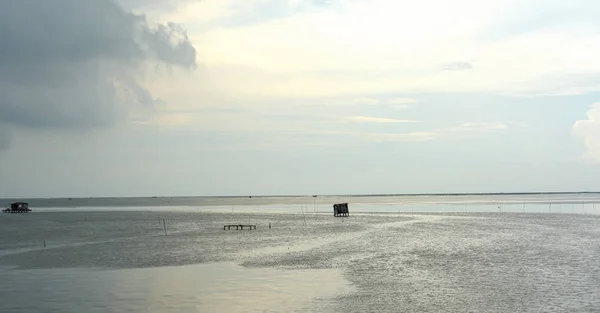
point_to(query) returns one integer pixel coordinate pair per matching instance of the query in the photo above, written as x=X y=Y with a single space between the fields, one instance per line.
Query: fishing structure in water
x=18 y=207
x=239 y=226
x=340 y=209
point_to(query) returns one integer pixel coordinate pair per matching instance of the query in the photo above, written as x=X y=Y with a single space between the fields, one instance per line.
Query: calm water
x=565 y=203
x=462 y=258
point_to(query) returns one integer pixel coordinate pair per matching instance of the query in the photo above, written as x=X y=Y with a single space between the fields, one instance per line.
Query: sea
x=394 y=253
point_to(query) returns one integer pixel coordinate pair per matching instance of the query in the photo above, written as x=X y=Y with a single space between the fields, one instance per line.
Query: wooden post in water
x=44 y=243
x=303 y=216
x=165 y=226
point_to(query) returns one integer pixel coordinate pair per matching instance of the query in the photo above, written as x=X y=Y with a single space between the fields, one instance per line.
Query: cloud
x=171 y=120
x=380 y=137
x=360 y=47
x=238 y=14
x=5 y=138
x=408 y=137
x=74 y=64
x=399 y=106
x=471 y=126
x=588 y=131
x=402 y=101
x=365 y=101
x=457 y=66
x=350 y=138
x=473 y=129
x=530 y=15
x=369 y=119
x=328 y=138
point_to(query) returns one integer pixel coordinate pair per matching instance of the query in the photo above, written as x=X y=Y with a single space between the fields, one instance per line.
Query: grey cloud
x=5 y=138
x=69 y=63
x=4 y=141
x=170 y=44
x=160 y=5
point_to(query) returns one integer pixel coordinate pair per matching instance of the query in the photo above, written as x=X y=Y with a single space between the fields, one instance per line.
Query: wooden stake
x=165 y=226
x=302 y=208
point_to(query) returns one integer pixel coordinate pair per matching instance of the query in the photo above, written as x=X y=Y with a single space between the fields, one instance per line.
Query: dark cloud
x=75 y=64
x=4 y=138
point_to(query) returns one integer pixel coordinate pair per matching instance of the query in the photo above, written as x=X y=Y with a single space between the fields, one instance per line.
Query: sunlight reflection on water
x=221 y=287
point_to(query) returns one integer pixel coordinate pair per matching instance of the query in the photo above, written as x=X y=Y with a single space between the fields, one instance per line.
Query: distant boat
x=18 y=207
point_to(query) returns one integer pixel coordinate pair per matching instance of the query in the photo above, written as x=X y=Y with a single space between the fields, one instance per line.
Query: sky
x=106 y=98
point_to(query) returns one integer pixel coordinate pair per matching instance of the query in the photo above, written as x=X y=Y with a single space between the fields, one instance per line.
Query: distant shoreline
x=332 y=195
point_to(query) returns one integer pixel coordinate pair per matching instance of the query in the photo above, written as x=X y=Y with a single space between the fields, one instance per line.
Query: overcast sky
x=248 y=97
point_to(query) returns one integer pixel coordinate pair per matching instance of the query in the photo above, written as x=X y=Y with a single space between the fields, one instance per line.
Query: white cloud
x=382 y=136
x=198 y=12
x=471 y=126
x=400 y=107
x=365 y=101
x=401 y=103
x=407 y=137
x=361 y=47
x=472 y=129
x=359 y=51
x=588 y=131
x=369 y=119
x=405 y=101
x=457 y=66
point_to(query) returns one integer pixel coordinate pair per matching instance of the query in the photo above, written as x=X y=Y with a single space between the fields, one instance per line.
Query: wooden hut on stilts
x=18 y=207
x=340 y=209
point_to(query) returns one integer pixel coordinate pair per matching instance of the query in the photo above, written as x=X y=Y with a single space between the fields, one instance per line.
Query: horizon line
x=333 y=195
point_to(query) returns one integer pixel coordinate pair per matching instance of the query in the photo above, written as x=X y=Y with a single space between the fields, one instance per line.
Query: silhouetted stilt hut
x=340 y=209
x=18 y=207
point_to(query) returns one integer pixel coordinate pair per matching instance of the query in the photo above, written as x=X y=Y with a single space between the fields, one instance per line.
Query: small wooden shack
x=18 y=207
x=340 y=209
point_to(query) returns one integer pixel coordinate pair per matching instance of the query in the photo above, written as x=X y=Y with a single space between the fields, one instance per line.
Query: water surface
x=121 y=261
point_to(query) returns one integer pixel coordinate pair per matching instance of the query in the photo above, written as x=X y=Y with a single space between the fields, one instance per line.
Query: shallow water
x=525 y=203
x=97 y=261
x=194 y=288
